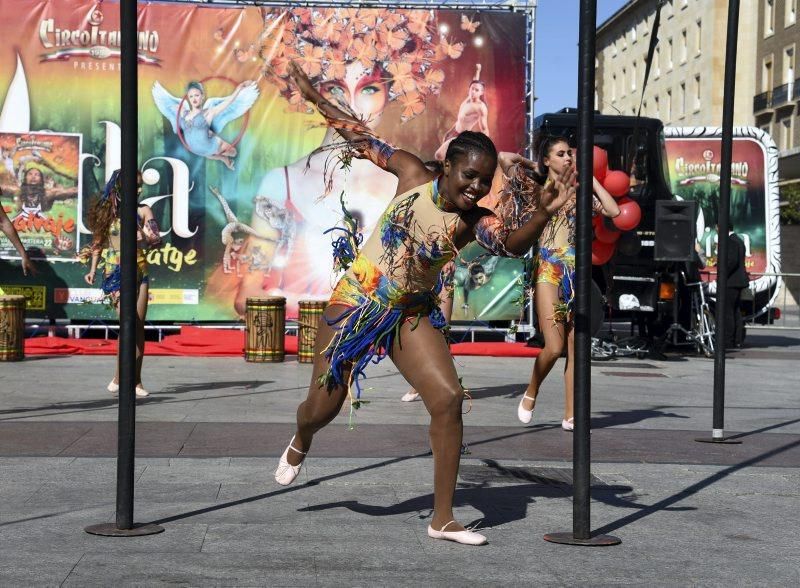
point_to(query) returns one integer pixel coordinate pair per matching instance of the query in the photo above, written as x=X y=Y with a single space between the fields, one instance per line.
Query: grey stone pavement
x=688 y=514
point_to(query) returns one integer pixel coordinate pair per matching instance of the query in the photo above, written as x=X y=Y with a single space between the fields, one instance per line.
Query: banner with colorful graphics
x=242 y=176
x=693 y=158
x=40 y=182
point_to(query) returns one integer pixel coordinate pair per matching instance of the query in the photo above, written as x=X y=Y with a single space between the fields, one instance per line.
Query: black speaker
x=675 y=230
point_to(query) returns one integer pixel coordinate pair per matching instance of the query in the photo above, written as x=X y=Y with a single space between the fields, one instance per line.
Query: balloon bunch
x=614 y=234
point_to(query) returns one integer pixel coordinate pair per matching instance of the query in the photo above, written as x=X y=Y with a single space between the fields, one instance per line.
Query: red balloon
x=601 y=252
x=604 y=234
x=617 y=183
x=600 y=163
x=629 y=215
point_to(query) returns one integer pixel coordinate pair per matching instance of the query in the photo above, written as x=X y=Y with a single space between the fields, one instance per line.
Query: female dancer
x=554 y=277
x=104 y=222
x=11 y=234
x=386 y=305
x=473 y=114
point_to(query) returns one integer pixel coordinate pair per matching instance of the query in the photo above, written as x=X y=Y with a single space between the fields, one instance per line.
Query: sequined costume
x=555 y=260
x=111 y=263
x=396 y=278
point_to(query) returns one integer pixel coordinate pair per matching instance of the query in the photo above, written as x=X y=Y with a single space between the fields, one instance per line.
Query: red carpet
x=226 y=343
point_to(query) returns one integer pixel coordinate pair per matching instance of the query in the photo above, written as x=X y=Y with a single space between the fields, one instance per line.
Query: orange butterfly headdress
x=404 y=45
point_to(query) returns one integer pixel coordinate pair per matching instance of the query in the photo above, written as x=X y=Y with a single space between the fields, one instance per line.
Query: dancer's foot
x=113 y=387
x=141 y=392
x=525 y=409
x=286 y=472
x=410 y=396
x=462 y=536
x=568 y=424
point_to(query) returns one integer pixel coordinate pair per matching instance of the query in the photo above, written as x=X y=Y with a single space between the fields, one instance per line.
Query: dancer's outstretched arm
x=408 y=168
x=493 y=232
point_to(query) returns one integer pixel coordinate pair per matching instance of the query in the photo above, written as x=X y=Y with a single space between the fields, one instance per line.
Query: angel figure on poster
x=202 y=120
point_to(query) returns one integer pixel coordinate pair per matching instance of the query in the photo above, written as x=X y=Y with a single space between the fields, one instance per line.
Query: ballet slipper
x=465 y=537
x=410 y=396
x=568 y=424
x=526 y=415
x=113 y=387
x=286 y=472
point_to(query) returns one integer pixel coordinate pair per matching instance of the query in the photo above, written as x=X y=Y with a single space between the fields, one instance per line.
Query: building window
x=785 y=131
x=633 y=76
x=684 y=46
x=766 y=74
x=682 y=99
x=697 y=93
x=769 y=17
x=668 y=107
x=622 y=82
x=788 y=67
x=791 y=13
x=669 y=54
x=613 y=87
x=698 y=35
x=656 y=107
x=657 y=62
x=633 y=34
x=644 y=107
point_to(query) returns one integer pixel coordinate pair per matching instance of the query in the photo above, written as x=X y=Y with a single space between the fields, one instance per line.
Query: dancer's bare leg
x=569 y=375
x=446 y=306
x=141 y=314
x=554 y=340
x=321 y=405
x=424 y=359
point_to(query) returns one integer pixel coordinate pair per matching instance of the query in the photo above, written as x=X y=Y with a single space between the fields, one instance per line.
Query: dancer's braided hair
x=464 y=143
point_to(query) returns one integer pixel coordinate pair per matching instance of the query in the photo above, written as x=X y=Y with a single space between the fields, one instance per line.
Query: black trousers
x=734 y=323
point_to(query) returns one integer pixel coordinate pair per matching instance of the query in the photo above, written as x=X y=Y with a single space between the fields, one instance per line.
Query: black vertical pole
x=129 y=120
x=581 y=534
x=723 y=222
x=126 y=427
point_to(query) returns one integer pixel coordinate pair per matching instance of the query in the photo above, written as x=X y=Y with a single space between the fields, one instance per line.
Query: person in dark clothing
x=737 y=281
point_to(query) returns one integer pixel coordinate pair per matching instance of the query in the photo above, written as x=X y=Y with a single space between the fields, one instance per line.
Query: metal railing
x=781 y=94
x=762 y=101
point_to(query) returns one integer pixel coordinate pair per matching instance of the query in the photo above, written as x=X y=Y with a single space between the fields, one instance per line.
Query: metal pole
x=723 y=222
x=581 y=534
x=126 y=428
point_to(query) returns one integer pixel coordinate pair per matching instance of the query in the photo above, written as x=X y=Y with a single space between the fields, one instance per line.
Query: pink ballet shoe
x=286 y=472
x=568 y=424
x=410 y=396
x=464 y=537
x=526 y=415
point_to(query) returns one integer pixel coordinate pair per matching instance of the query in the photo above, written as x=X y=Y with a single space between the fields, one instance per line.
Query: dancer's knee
x=446 y=403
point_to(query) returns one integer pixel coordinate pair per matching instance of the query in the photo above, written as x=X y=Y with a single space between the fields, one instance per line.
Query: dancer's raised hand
x=560 y=190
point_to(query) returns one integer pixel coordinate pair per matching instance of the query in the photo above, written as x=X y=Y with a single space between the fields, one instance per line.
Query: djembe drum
x=265 y=323
x=12 y=328
x=308 y=319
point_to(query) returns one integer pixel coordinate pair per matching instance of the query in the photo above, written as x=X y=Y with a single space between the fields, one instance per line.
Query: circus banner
x=242 y=176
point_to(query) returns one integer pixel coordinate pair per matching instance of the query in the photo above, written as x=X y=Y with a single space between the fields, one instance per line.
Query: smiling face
x=467 y=178
x=194 y=97
x=559 y=158
x=361 y=89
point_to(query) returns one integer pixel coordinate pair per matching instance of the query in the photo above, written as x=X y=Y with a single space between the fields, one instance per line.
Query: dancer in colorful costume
x=555 y=277
x=386 y=303
x=104 y=222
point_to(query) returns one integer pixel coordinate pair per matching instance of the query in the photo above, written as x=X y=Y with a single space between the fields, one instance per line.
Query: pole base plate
x=723 y=440
x=567 y=538
x=111 y=530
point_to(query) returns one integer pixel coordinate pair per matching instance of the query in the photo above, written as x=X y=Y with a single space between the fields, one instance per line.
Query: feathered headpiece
x=112 y=188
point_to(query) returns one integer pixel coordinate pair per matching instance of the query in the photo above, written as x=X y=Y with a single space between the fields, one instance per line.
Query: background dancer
x=555 y=277
x=386 y=305
x=104 y=222
x=11 y=233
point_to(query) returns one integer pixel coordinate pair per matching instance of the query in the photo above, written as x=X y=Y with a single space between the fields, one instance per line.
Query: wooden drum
x=308 y=318
x=12 y=328
x=265 y=323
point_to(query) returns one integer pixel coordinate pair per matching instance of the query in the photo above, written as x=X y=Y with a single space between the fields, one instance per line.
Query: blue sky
x=556 y=51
